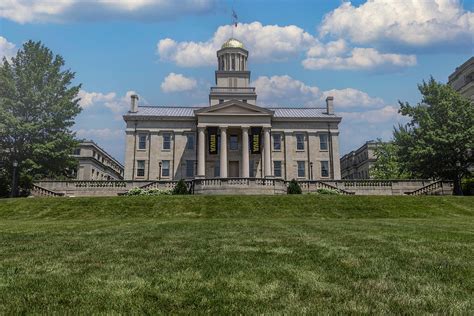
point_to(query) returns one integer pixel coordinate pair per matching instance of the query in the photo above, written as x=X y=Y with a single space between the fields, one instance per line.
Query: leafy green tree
x=38 y=104
x=438 y=140
x=387 y=166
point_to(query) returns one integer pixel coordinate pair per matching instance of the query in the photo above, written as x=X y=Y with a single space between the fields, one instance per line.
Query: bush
x=180 y=188
x=140 y=191
x=328 y=191
x=467 y=186
x=294 y=187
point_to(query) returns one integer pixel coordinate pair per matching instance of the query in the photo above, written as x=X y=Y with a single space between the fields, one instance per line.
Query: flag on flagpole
x=234 y=17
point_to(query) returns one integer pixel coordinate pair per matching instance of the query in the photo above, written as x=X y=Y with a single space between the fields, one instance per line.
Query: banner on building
x=256 y=140
x=212 y=140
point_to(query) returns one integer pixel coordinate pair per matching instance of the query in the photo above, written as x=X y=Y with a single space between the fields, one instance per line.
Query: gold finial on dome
x=233 y=43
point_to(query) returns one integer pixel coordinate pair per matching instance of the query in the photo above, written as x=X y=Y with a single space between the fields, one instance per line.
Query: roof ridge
x=170 y=106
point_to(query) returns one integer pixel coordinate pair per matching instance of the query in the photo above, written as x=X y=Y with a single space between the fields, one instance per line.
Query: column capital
x=245 y=127
x=223 y=127
x=266 y=128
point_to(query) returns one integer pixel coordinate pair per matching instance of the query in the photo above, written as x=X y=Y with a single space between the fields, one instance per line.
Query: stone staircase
x=435 y=188
x=39 y=191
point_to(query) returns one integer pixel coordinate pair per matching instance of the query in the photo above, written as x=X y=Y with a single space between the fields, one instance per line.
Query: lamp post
x=311 y=170
x=457 y=185
x=14 y=180
x=159 y=172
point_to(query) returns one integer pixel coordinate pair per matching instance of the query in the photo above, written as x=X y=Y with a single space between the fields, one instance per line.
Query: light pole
x=159 y=174
x=14 y=180
x=311 y=170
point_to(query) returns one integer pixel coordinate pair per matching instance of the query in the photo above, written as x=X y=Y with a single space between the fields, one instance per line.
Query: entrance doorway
x=233 y=169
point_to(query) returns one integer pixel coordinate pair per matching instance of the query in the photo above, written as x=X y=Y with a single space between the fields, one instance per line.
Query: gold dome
x=233 y=43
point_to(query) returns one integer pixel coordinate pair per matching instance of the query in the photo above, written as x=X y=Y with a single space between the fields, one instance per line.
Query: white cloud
x=177 y=82
x=285 y=90
x=360 y=58
x=7 y=49
x=30 y=11
x=116 y=104
x=411 y=23
x=102 y=133
x=265 y=42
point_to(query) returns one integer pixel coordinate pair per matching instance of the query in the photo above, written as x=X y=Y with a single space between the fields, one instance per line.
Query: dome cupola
x=233 y=43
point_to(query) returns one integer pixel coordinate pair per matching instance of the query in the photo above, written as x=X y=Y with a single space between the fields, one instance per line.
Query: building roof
x=188 y=112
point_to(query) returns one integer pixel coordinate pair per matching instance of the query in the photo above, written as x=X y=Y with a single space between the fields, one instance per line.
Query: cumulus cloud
x=265 y=42
x=30 y=11
x=411 y=23
x=116 y=104
x=177 y=82
x=360 y=58
x=278 y=90
x=7 y=49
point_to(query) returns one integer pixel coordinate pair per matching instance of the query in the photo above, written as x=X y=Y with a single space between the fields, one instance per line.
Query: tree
x=438 y=140
x=387 y=166
x=37 y=109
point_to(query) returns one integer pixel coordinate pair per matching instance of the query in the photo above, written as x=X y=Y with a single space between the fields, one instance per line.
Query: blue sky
x=368 y=54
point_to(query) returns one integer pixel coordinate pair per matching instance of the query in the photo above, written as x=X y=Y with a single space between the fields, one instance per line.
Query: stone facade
x=96 y=164
x=356 y=164
x=462 y=79
x=171 y=143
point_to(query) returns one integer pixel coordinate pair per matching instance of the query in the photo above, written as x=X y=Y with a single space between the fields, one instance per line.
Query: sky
x=367 y=54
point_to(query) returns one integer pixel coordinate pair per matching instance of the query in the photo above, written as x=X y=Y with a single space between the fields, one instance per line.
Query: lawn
x=250 y=254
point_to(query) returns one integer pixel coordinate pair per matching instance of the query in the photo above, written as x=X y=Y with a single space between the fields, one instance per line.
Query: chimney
x=330 y=105
x=134 y=103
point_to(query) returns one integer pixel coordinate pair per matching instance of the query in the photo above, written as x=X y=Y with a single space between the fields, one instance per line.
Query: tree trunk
x=457 y=186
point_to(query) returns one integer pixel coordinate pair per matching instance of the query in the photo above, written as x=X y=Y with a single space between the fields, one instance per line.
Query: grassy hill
x=250 y=254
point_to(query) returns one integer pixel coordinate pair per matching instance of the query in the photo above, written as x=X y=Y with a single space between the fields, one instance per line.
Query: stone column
x=268 y=162
x=245 y=152
x=223 y=165
x=201 y=172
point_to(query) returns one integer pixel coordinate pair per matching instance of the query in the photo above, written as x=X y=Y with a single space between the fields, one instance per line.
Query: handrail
x=427 y=188
x=40 y=191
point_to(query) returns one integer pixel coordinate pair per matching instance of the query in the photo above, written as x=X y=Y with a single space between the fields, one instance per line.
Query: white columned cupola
x=232 y=75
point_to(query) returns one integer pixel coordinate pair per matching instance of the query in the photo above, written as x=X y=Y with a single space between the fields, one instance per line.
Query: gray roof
x=183 y=111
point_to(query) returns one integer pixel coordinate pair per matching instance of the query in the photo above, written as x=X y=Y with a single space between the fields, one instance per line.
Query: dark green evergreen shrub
x=294 y=187
x=180 y=188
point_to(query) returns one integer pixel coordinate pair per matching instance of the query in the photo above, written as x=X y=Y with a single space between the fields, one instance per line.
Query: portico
x=233 y=120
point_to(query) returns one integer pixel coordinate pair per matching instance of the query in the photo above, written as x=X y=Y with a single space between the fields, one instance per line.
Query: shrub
x=180 y=188
x=140 y=191
x=136 y=191
x=294 y=187
x=328 y=191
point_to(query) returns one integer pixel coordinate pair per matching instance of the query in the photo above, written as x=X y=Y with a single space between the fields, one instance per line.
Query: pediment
x=233 y=107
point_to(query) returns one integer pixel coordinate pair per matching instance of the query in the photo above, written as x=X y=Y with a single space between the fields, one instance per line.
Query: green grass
x=252 y=254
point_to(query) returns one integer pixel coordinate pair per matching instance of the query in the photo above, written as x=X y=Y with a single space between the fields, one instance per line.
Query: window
x=234 y=142
x=251 y=169
x=221 y=101
x=276 y=142
x=93 y=172
x=217 y=169
x=190 y=142
x=233 y=63
x=277 y=168
x=165 y=168
x=323 y=141
x=301 y=169
x=140 y=168
x=245 y=101
x=324 y=169
x=189 y=168
x=299 y=141
x=166 y=141
x=142 y=141
x=77 y=151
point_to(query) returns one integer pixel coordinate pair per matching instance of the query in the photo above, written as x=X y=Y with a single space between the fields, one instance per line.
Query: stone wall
x=245 y=186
